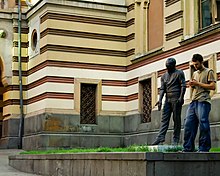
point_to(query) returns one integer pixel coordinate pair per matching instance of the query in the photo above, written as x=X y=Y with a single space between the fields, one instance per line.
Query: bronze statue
x=173 y=85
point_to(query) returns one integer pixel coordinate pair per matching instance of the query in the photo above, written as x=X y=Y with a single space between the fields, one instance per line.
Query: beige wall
x=90 y=50
x=108 y=45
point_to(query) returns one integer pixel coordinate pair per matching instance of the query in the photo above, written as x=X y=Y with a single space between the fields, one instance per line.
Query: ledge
x=118 y=164
x=147 y=55
x=213 y=29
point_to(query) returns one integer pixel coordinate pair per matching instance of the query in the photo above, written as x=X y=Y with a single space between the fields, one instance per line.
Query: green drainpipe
x=21 y=124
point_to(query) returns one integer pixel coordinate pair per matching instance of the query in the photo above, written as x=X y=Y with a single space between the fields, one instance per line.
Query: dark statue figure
x=173 y=85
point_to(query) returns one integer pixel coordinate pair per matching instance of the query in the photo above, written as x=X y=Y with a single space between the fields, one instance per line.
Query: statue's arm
x=183 y=87
x=162 y=89
x=162 y=92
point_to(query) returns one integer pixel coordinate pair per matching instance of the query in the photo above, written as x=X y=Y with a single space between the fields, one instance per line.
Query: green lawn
x=215 y=150
x=133 y=148
x=84 y=150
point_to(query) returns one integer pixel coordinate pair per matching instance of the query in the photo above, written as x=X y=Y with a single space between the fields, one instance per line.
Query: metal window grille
x=147 y=102
x=88 y=104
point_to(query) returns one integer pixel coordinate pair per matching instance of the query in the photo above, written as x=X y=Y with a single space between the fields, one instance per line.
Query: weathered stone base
x=9 y=143
x=74 y=140
x=149 y=137
x=51 y=141
x=9 y=138
x=48 y=130
x=118 y=164
x=47 y=141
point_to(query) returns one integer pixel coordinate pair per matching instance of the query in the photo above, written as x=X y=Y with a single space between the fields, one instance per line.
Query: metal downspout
x=21 y=124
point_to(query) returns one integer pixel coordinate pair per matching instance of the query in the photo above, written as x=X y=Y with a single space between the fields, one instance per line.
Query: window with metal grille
x=88 y=104
x=146 y=100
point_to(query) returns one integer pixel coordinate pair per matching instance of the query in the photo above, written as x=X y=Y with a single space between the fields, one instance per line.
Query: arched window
x=34 y=39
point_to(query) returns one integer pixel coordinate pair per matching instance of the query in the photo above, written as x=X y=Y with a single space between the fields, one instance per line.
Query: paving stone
x=5 y=169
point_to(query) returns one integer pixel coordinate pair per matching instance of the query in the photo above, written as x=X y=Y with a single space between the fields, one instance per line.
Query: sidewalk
x=5 y=169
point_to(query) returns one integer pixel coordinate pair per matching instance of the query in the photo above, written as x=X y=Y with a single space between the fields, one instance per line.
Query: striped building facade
x=91 y=69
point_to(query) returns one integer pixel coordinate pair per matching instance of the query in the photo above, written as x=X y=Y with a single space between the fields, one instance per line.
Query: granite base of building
x=52 y=141
x=9 y=143
x=50 y=130
x=9 y=138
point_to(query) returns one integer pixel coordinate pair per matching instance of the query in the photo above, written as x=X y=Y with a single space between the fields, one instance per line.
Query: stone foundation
x=49 y=130
x=9 y=138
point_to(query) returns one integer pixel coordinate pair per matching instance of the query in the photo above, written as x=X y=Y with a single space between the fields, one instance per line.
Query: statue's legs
x=166 y=114
x=177 y=107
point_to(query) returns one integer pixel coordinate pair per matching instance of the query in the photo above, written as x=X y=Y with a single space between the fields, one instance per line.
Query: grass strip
x=133 y=148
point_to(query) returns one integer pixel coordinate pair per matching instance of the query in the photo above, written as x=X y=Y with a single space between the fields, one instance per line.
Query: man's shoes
x=202 y=151
x=158 y=141
x=184 y=150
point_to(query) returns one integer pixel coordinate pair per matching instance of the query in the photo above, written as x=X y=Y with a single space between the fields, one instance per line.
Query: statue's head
x=171 y=64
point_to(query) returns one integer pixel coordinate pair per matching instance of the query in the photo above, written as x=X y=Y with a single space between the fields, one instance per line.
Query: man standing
x=203 y=80
x=174 y=86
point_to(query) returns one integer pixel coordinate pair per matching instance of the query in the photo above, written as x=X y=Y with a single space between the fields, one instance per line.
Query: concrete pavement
x=5 y=169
